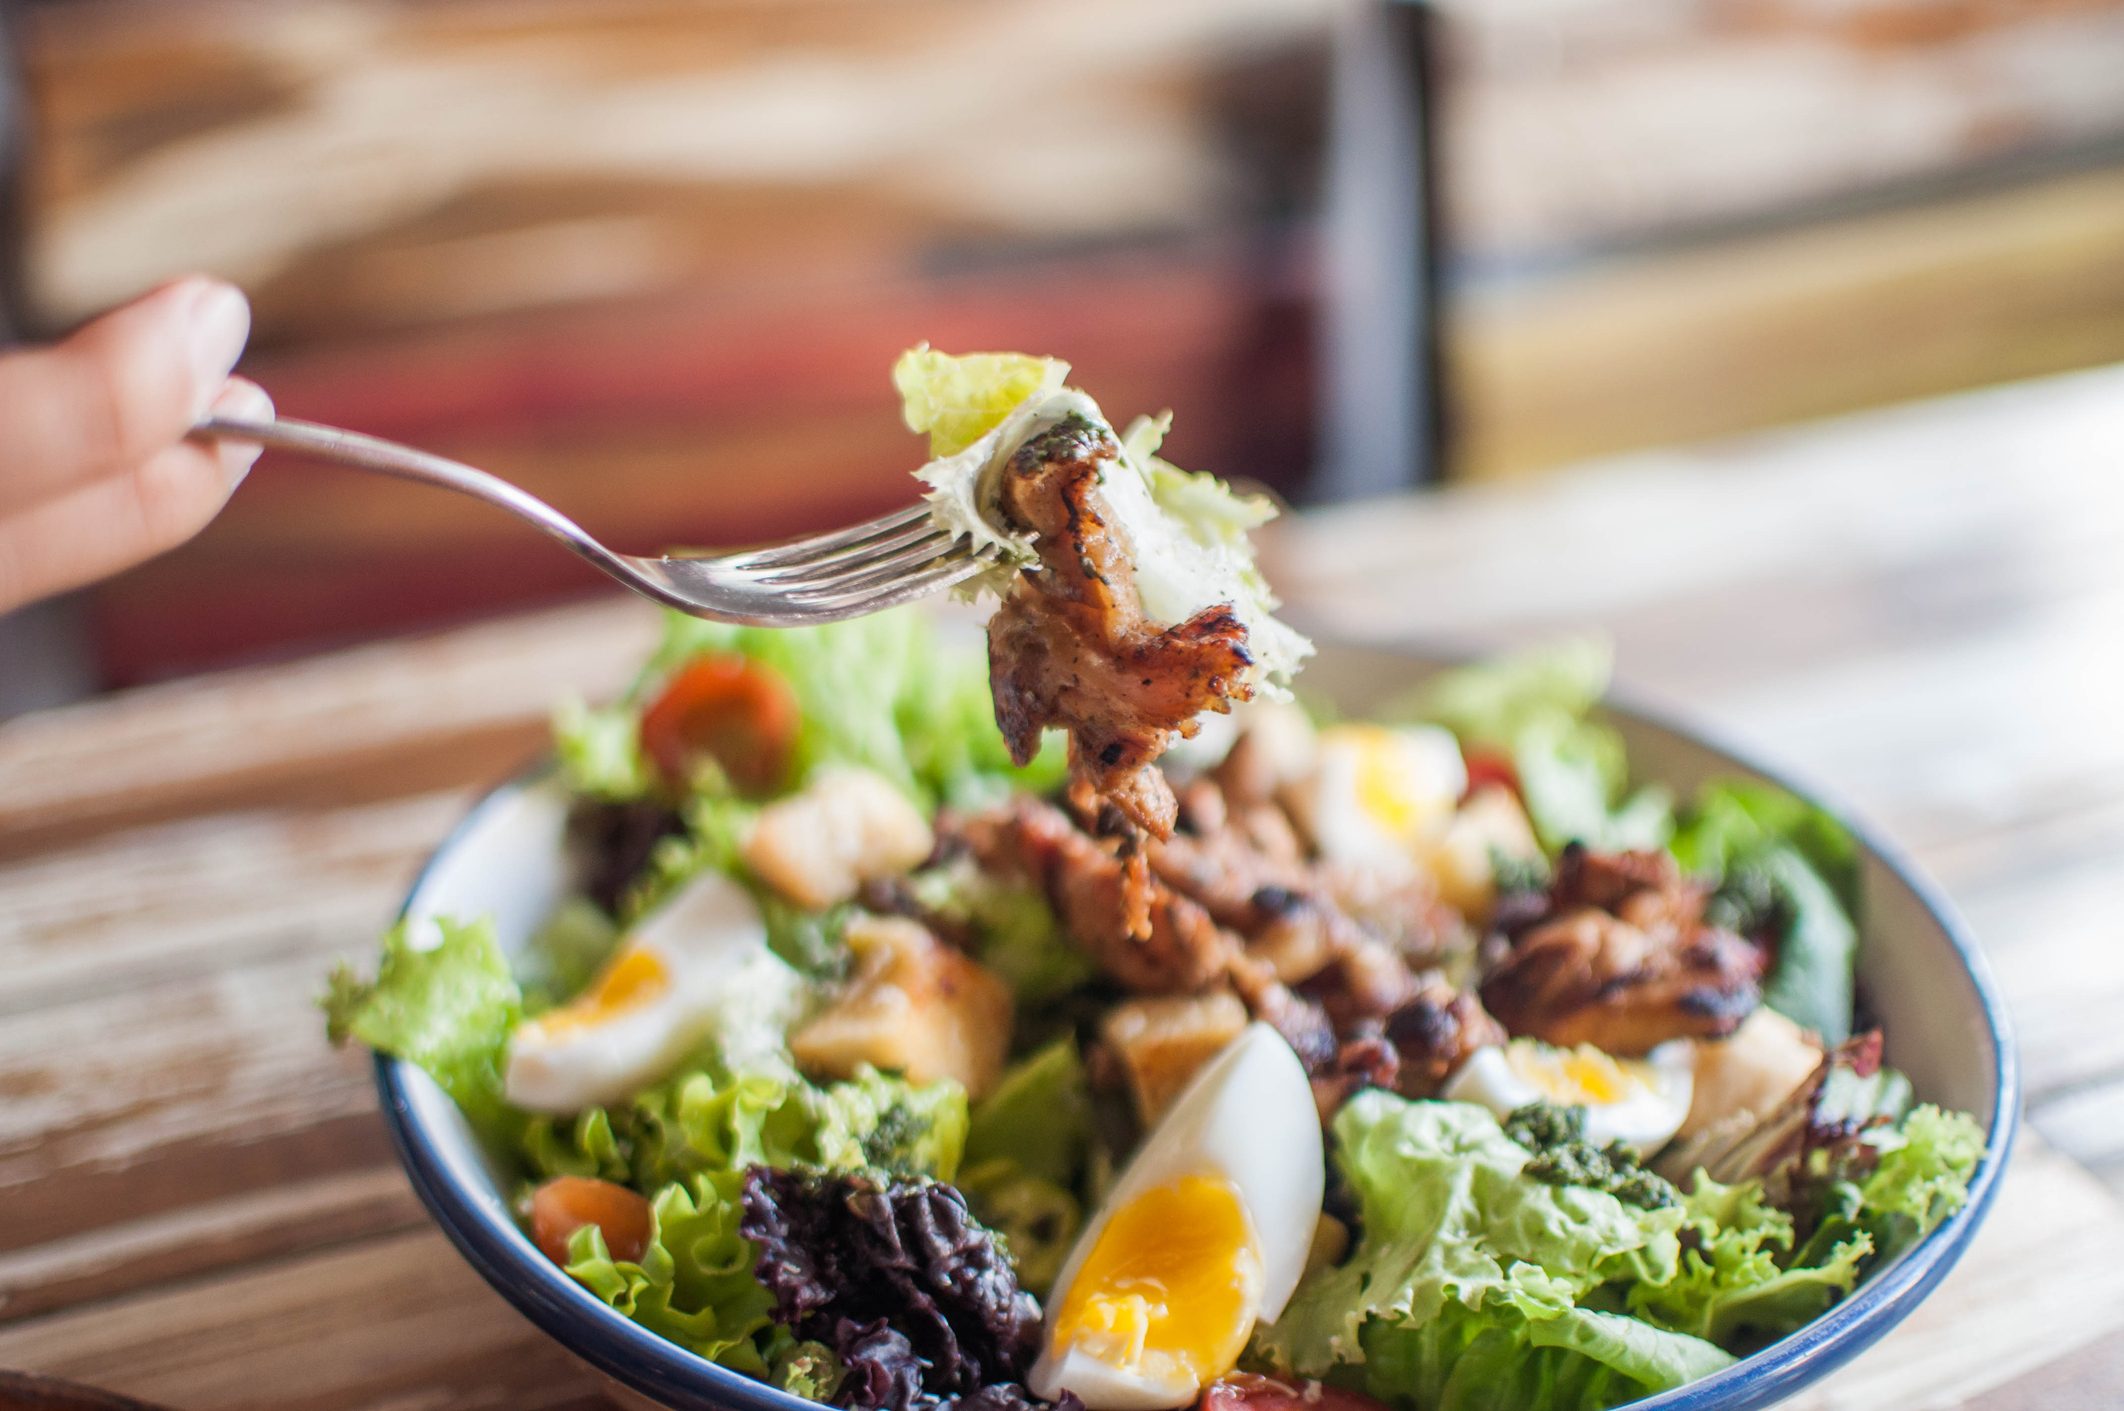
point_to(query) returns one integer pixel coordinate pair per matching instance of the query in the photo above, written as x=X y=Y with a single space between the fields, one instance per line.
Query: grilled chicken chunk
x=1622 y=959
x=1071 y=647
x=1142 y=935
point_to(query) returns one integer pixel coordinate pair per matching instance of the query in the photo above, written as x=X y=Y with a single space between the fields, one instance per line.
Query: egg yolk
x=633 y=978
x=1583 y=1075
x=1171 y=1287
x=1386 y=793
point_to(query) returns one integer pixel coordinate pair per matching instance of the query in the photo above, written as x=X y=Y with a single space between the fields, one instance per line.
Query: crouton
x=848 y=826
x=914 y=1006
x=1161 y=1040
x=1488 y=825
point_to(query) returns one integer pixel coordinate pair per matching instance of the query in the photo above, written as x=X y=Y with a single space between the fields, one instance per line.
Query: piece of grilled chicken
x=1071 y=648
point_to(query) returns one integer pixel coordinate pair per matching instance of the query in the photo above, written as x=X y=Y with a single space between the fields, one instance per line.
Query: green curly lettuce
x=1920 y=1176
x=699 y=1122
x=447 y=1007
x=1476 y=1286
x=878 y=1122
x=706 y=1121
x=693 y=1283
x=599 y=752
x=1738 y=1285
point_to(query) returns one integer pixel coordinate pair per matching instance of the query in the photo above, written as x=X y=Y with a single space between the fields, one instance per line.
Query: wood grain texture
x=1918 y=607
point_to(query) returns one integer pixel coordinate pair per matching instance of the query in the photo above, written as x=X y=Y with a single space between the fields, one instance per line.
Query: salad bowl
x=1922 y=976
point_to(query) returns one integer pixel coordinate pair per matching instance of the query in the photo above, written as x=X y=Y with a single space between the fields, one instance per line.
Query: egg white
x=1657 y=1088
x=1376 y=792
x=1247 y=1118
x=719 y=980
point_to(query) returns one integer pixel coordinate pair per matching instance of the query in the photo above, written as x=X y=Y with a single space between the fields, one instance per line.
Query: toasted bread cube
x=915 y=1006
x=848 y=826
x=1489 y=824
x=1161 y=1040
x=1751 y=1071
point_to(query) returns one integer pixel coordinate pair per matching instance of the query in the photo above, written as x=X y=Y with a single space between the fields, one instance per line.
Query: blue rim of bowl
x=653 y=1365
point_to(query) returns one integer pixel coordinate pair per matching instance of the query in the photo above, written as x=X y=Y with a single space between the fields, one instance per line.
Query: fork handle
x=373 y=453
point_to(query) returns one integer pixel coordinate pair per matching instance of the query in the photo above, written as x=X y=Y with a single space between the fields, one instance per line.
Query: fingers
x=119 y=391
x=114 y=521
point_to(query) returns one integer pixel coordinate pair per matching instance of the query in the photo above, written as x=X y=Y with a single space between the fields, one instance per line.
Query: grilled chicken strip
x=1623 y=960
x=1071 y=648
x=1143 y=936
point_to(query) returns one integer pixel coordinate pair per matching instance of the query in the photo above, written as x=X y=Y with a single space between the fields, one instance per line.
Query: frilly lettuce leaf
x=1921 y=1177
x=1464 y=1256
x=699 y=1122
x=448 y=1007
x=882 y=1123
x=1734 y=1287
x=694 y=1282
x=1524 y=1352
x=707 y=1121
x=599 y=750
x=1535 y=708
x=958 y=399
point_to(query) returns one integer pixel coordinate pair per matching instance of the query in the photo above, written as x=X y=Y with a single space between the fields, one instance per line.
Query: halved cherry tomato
x=727 y=709
x=1486 y=767
x=1246 y=1391
x=565 y=1204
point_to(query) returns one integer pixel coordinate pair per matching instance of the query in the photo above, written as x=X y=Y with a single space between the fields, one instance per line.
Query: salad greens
x=1015 y=931
x=874 y=692
x=1785 y=870
x=1026 y=1155
x=873 y=1224
x=449 y=1007
x=1788 y=869
x=1534 y=709
x=1475 y=1285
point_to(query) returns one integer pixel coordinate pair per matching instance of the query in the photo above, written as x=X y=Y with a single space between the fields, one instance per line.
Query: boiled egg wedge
x=1205 y=1234
x=696 y=968
x=1377 y=791
x=1639 y=1102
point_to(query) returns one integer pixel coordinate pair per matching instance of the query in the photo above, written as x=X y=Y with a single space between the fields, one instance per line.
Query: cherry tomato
x=1486 y=767
x=565 y=1204
x=727 y=709
x=1247 y=1391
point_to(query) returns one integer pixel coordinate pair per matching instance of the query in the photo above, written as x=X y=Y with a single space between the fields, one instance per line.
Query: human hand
x=95 y=473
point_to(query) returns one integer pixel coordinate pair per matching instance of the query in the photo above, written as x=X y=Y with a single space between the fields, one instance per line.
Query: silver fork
x=862 y=569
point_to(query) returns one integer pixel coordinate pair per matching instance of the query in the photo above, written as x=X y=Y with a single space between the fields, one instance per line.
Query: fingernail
x=217 y=322
x=248 y=401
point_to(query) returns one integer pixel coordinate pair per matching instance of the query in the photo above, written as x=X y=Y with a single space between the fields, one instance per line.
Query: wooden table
x=197 y=1204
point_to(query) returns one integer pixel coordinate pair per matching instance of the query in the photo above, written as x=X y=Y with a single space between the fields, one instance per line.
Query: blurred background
x=653 y=258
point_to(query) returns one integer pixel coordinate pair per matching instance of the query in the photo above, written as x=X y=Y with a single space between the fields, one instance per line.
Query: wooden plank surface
x=1918 y=607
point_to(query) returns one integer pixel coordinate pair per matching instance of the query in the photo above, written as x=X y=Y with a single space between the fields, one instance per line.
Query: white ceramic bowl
x=1946 y=1028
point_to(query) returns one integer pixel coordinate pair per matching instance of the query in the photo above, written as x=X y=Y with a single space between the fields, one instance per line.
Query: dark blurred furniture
x=655 y=256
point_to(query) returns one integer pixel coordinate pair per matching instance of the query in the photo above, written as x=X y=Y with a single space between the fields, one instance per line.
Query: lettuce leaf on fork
x=1187 y=530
